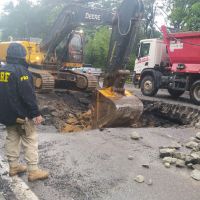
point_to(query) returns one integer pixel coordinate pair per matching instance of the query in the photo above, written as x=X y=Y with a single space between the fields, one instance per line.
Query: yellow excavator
x=113 y=106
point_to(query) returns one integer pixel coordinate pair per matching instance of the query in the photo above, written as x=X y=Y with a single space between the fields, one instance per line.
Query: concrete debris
x=180 y=163
x=172 y=155
x=190 y=159
x=167 y=165
x=198 y=136
x=173 y=145
x=190 y=166
x=196 y=174
x=169 y=160
x=166 y=152
x=130 y=157
x=196 y=155
x=179 y=155
x=191 y=145
x=139 y=179
x=135 y=136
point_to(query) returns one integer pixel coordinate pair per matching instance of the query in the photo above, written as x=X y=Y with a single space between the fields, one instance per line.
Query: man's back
x=17 y=98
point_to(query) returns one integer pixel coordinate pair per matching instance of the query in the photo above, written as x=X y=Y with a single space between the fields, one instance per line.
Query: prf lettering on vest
x=24 y=78
x=4 y=77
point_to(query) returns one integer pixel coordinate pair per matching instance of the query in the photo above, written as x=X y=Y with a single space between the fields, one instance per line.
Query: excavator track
x=77 y=81
x=92 y=82
x=44 y=82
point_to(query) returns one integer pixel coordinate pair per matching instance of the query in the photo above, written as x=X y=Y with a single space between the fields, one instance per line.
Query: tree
x=96 y=49
x=185 y=14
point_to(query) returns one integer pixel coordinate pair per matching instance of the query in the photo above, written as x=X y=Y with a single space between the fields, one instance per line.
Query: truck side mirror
x=138 y=51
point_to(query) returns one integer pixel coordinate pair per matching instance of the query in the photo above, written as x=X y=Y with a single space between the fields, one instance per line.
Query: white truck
x=172 y=63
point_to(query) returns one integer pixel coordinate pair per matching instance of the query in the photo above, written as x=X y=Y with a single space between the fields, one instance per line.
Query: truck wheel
x=148 y=86
x=175 y=93
x=195 y=92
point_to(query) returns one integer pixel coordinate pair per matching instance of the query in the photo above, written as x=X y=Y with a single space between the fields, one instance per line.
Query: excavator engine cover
x=114 y=110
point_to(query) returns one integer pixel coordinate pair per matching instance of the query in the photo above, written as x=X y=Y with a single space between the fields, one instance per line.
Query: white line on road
x=17 y=185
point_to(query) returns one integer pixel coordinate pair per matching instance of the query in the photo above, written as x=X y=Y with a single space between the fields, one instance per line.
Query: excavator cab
x=73 y=57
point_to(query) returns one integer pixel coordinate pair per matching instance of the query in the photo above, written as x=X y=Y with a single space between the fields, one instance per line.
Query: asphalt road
x=94 y=165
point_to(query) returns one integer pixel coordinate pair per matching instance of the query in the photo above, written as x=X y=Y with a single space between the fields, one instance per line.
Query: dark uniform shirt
x=17 y=95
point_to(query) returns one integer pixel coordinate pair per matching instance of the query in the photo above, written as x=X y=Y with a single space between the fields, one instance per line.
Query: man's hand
x=38 y=120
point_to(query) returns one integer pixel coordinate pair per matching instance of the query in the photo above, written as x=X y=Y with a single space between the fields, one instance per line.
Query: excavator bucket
x=114 y=110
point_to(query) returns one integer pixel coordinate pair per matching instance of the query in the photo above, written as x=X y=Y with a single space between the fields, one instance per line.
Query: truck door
x=142 y=60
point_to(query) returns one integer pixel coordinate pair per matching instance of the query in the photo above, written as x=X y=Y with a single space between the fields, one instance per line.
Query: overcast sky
x=159 y=19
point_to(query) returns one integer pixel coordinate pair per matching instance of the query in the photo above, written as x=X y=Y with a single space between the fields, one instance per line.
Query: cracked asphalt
x=94 y=165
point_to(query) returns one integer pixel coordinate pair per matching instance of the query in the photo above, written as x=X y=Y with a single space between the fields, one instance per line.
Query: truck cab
x=151 y=53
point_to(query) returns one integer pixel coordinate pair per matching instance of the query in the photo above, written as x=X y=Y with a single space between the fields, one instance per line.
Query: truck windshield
x=144 y=49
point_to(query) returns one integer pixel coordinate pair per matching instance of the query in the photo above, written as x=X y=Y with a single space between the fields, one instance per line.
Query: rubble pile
x=68 y=112
x=183 y=155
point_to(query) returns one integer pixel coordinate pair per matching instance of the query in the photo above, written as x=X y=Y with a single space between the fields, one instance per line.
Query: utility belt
x=21 y=121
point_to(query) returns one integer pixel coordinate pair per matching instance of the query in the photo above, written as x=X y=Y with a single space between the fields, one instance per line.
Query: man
x=19 y=113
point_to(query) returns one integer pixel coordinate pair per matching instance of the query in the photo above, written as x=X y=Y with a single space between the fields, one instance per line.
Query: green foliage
x=185 y=14
x=96 y=49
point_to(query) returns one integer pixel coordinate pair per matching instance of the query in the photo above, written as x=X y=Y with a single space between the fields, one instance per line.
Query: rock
x=197 y=125
x=194 y=139
x=166 y=152
x=196 y=155
x=150 y=182
x=197 y=166
x=130 y=157
x=167 y=165
x=135 y=136
x=169 y=160
x=179 y=155
x=196 y=175
x=72 y=120
x=173 y=145
x=190 y=159
x=146 y=166
x=180 y=163
x=198 y=135
x=139 y=179
x=190 y=166
x=191 y=145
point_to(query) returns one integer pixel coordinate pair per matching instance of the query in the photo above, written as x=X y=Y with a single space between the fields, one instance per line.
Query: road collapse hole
x=70 y=112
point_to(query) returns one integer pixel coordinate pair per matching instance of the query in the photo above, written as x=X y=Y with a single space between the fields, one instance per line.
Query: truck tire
x=175 y=93
x=148 y=87
x=195 y=93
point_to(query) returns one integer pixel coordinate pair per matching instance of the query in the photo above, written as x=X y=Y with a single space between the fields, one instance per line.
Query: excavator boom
x=114 y=105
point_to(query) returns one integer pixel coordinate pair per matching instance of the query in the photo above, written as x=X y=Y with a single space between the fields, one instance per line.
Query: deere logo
x=91 y=16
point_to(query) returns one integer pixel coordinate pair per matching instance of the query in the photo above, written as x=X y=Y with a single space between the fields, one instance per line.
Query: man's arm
x=27 y=94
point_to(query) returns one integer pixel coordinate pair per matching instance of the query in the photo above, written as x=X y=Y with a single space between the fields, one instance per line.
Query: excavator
x=113 y=105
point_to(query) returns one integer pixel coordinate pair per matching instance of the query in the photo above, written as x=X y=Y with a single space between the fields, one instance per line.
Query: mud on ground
x=68 y=112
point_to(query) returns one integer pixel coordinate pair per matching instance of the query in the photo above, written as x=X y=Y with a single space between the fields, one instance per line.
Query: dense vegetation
x=28 y=19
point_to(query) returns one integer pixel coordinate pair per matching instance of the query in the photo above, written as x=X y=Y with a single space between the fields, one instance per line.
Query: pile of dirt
x=68 y=112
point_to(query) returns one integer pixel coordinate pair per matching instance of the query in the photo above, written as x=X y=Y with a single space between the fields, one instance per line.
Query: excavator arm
x=114 y=106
